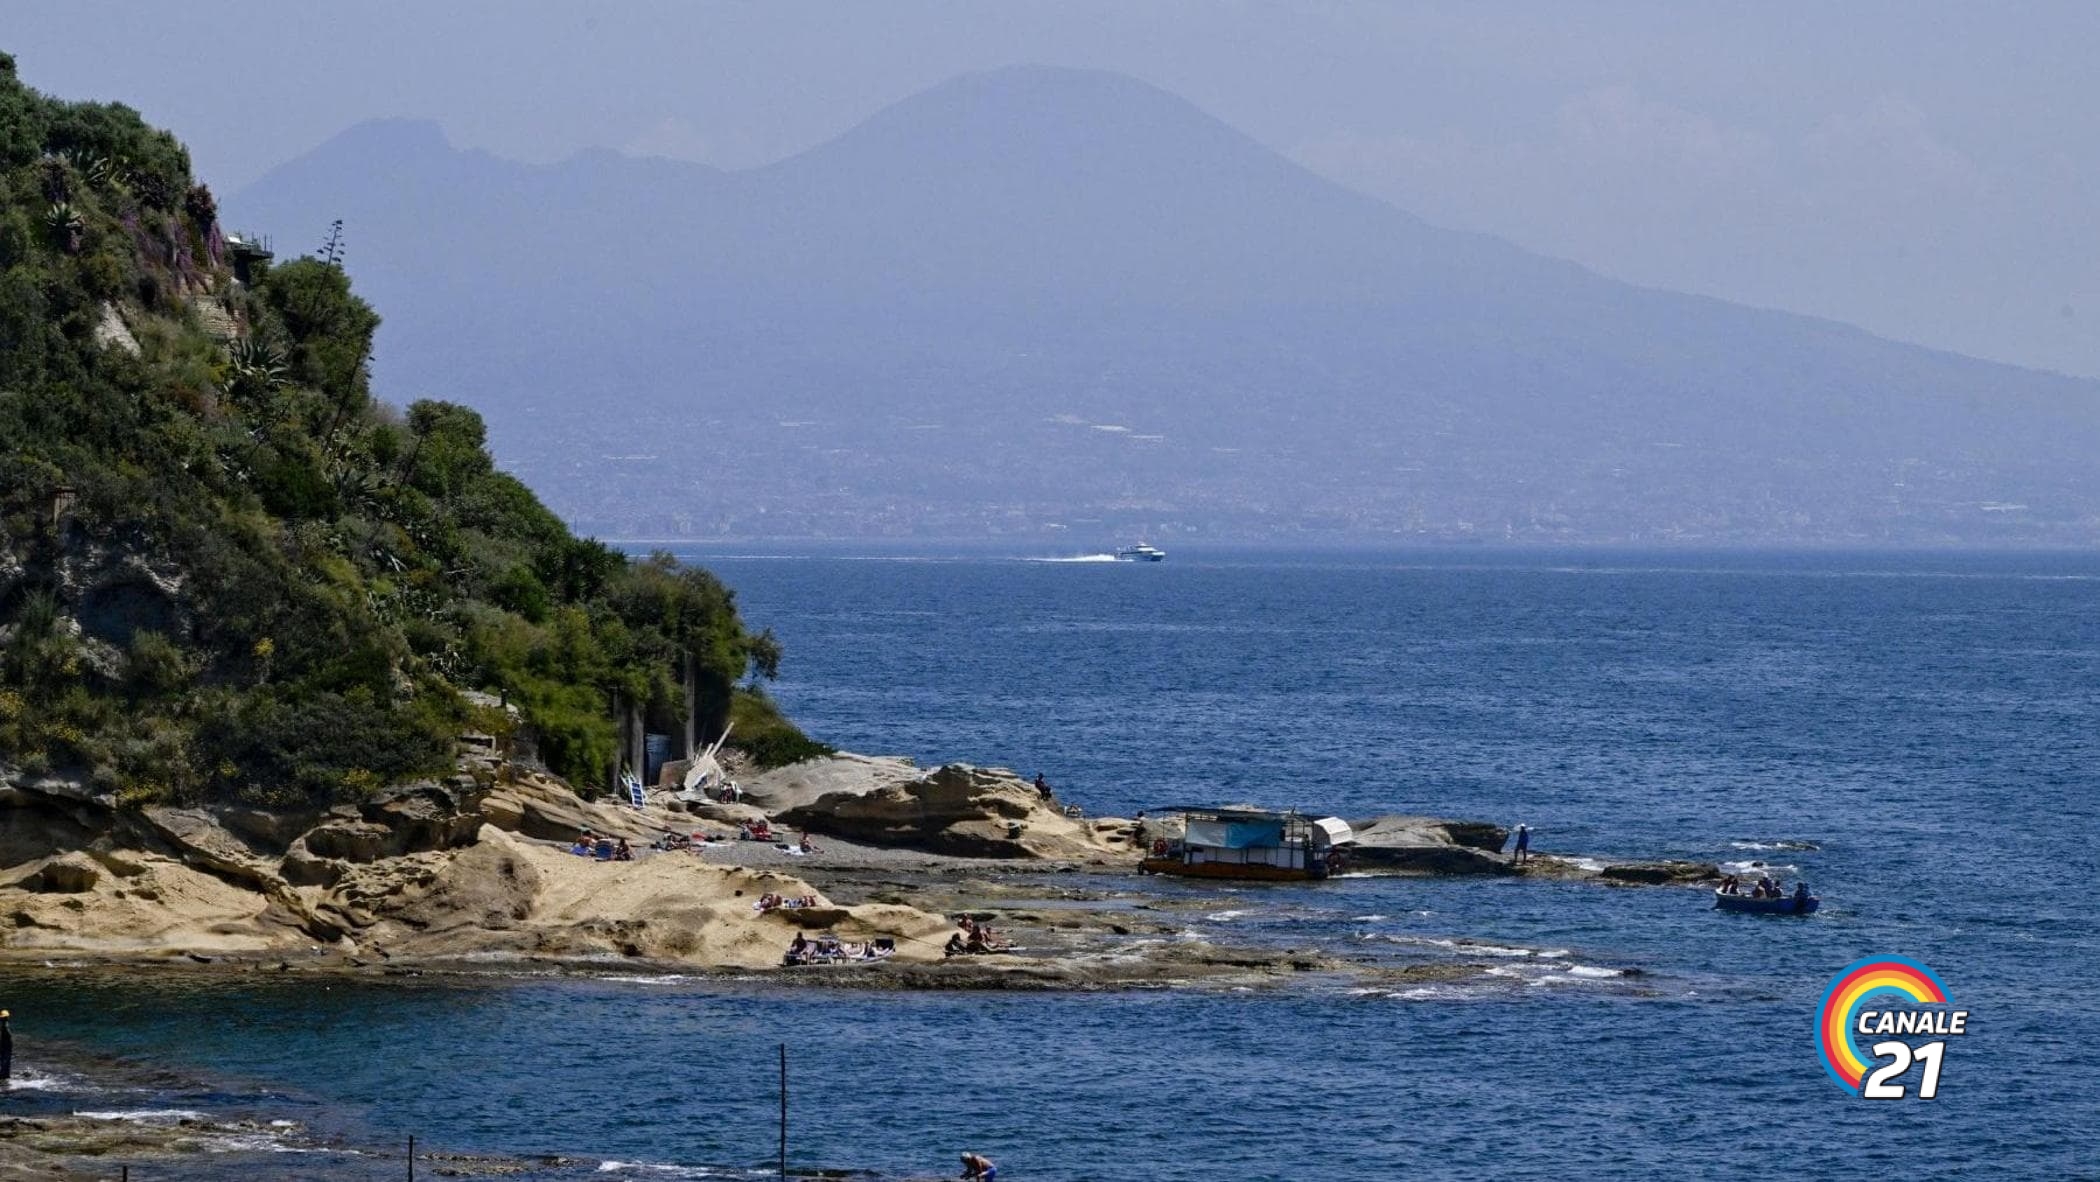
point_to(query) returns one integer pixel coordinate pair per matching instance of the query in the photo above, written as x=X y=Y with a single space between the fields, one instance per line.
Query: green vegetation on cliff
x=226 y=571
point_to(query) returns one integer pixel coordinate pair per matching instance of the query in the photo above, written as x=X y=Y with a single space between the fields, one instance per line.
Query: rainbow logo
x=1849 y=992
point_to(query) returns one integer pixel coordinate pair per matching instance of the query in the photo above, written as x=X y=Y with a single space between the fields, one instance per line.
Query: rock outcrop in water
x=1429 y=845
x=963 y=811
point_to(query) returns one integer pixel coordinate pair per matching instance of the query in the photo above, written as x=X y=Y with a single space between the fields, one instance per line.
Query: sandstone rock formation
x=470 y=867
x=1429 y=845
x=963 y=811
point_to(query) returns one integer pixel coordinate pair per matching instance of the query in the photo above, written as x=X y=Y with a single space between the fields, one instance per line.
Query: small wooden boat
x=1752 y=905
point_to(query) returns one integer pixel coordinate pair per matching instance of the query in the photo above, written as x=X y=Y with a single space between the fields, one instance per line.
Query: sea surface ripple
x=1915 y=734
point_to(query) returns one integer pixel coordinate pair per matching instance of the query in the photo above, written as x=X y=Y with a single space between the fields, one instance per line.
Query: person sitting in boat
x=978 y=1167
x=1730 y=884
x=1800 y=894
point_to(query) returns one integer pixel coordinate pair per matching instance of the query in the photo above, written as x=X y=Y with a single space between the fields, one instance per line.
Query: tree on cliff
x=226 y=570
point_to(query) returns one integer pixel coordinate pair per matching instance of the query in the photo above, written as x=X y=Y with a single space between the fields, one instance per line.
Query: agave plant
x=93 y=167
x=67 y=225
x=332 y=248
x=257 y=369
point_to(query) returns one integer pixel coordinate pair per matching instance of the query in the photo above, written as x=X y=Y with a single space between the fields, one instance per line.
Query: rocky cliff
x=436 y=871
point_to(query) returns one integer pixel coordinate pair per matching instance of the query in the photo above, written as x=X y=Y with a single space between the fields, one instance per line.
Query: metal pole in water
x=411 y=1157
x=783 y=1112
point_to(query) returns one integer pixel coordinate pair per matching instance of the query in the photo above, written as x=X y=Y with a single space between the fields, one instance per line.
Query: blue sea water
x=1914 y=734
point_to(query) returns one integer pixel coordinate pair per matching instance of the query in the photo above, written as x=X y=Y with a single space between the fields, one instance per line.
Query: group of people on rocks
x=829 y=949
x=972 y=938
x=603 y=848
x=698 y=839
x=771 y=902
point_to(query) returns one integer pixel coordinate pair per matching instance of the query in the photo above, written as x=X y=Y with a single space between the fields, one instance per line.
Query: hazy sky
x=1927 y=170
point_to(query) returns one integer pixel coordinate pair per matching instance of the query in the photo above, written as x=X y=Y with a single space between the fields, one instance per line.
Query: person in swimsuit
x=979 y=1167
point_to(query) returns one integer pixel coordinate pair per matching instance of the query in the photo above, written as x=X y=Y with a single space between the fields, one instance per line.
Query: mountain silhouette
x=1055 y=303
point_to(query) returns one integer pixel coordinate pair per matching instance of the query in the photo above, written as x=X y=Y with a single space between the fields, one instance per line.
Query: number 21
x=1900 y=1056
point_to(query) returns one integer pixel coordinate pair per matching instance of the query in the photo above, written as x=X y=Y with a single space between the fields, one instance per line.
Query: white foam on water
x=660 y=979
x=1491 y=949
x=40 y=1082
x=253 y=1143
x=1469 y=947
x=1224 y=916
x=1434 y=993
x=1076 y=558
x=658 y=1169
x=1774 y=845
x=1752 y=869
x=144 y=1114
x=1592 y=972
x=1370 y=918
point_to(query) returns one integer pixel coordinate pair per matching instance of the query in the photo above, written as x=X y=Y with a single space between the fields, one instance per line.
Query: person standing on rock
x=1522 y=853
x=1042 y=786
x=7 y=1046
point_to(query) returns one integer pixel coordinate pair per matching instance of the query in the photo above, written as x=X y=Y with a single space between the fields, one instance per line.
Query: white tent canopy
x=1332 y=831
